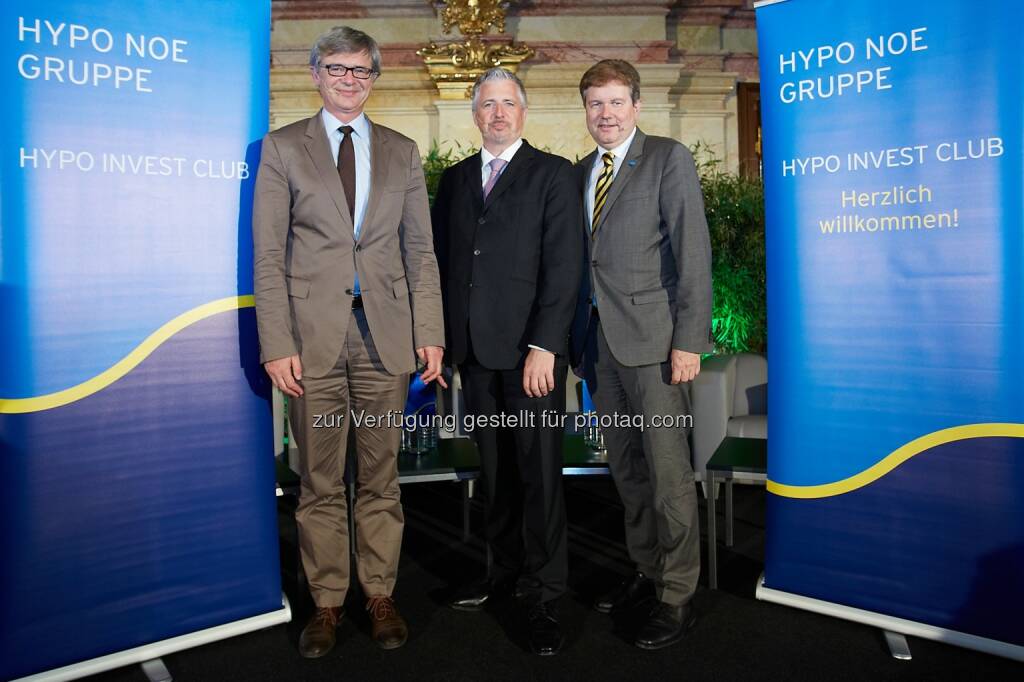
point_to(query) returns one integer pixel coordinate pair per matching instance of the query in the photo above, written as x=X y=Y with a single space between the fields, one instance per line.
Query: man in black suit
x=507 y=231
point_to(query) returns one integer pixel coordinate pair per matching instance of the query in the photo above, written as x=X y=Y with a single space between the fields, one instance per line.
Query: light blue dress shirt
x=361 y=143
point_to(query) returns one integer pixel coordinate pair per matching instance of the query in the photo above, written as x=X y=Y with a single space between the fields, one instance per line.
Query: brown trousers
x=357 y=385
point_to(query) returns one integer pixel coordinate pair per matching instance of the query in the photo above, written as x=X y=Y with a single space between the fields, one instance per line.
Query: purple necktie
x=496 y=167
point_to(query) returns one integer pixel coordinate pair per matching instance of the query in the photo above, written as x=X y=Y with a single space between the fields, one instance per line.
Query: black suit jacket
x=510 y=267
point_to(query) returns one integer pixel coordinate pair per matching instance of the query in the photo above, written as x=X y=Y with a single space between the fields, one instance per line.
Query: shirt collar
x=486 y=157
x=620 y=151
x=360 y=124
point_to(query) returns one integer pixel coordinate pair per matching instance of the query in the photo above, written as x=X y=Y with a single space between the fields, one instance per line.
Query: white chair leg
x=704 y=488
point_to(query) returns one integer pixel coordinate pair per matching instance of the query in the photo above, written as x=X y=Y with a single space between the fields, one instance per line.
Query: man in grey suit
x=643 y=319
x=347 y=296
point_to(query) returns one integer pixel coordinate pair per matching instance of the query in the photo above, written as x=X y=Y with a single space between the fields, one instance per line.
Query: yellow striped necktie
x=604 y=182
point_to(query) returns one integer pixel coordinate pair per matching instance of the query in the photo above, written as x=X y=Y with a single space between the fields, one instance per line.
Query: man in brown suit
x=347 y=296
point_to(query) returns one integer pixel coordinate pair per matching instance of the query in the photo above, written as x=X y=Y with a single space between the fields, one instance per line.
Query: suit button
x=476 y=252
x=359 y=247
x=470 y=285
x=349 y=292
x=481 y=221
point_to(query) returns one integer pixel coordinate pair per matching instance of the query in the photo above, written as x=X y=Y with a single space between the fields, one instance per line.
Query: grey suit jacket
x=649 y=257
x=306 y=255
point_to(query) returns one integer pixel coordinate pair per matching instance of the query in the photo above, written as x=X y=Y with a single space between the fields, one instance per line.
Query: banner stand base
x=898 y=647
x=148 y=652
x=890 y=624
x=156 y=671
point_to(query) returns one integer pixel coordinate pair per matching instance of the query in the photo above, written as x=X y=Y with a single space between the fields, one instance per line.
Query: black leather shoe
x=474 y=597
x=546 y=637
x=631 y=592
x=666 y=625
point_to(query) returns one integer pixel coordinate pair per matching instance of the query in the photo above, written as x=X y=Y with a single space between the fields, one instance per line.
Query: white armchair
x=729 y=398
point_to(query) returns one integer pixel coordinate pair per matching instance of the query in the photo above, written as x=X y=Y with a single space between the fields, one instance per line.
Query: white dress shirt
x=485 y=174
x=486 y=157
x=618 y=156
x=595 y=171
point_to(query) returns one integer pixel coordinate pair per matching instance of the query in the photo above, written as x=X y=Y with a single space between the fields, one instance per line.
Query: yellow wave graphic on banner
x=897 y=457
x=128 y=362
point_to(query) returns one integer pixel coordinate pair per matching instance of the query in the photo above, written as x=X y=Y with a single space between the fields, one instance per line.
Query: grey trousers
x=320 y=421
x=650 y=466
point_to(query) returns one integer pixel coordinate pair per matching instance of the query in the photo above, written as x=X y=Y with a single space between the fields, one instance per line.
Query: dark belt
x=357 y=303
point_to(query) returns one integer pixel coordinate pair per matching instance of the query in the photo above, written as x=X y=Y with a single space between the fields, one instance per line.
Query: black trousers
x=521 y=473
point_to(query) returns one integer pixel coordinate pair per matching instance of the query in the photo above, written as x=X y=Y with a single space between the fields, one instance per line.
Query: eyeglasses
x=339 y=70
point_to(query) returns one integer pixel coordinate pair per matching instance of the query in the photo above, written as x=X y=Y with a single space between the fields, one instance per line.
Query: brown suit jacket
x=306 y=255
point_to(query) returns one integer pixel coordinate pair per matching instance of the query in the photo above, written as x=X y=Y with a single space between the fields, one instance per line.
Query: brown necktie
x=347 y=169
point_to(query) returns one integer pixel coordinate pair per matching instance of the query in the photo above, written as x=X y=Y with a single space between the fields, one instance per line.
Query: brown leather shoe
x=389 y=630
x=318 y=636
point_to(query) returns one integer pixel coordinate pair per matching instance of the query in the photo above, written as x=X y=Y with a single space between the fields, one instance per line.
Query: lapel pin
x=631 y=162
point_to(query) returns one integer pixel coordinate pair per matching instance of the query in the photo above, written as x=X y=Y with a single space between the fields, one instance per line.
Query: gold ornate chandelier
x=455 y=64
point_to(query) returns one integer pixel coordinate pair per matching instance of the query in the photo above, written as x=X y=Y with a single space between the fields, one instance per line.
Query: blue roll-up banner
x=893 y=173
x=137 y=462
